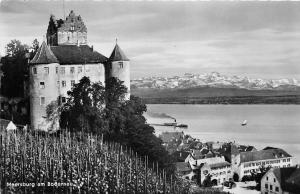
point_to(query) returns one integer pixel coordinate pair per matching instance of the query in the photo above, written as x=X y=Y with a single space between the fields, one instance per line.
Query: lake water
x=268 y=125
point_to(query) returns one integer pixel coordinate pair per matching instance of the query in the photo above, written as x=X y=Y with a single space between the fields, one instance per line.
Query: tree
x=207 y=181
x=84 y=109
x=35 y=46
x=257 y=175
x=115 y=92
x=93 y=108
x=16 y=49
x=14 y=69
x=236 y=177
x=53 y=113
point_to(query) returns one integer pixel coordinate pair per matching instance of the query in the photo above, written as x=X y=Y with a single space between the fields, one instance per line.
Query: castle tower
x=43 y=85
x=71 y=31
x=119 y=66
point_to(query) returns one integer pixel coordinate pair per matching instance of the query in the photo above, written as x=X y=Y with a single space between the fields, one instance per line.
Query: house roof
x=183 y=167
x=263 y=155
x=220 y=164
x=11 y=126
x=73 y=54
x=118 y=55
x=195 y=144
x=293 y=182
x=197 y=154
x=289 y=178
x=169 y=136
x=250 y=149
x=44 y=55
x=180 y=156
x=269 y=148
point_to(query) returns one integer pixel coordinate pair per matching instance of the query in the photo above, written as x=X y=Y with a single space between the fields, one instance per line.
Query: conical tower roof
x=118 y=55
x=11 y=126
x=44 y=55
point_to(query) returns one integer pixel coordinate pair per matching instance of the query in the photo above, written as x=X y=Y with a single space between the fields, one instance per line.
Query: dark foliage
x=93 y=108
x=247 y=178
x=259 y=174
x=84 y=110
x=207 y=181
x=14 y=69
x=235 y=177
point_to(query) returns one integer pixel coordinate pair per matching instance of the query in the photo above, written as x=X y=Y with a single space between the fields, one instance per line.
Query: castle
x=64 y=60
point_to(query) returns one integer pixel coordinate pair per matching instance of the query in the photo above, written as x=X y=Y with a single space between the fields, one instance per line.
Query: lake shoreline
x=293 y=99
x=268 y=125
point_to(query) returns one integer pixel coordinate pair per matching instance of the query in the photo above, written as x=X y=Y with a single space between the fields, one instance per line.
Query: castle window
x=72 y=83
x=79 y=69
x=72 y=28
x=121 y=64
x=271 y=187
x=42 y=100
x=277 y=189
x=63 y=84
x=42 y=85
x=266 y=186
x=68 y=38
x=56 y=70
x=63 y=99
x=72 y=70
x=34 y=70
x=62 y=70
x=46 y=70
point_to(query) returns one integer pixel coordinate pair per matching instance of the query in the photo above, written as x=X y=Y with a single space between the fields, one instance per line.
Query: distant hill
x=213 y=95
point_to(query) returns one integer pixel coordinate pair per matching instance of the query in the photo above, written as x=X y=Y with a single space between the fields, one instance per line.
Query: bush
x=247 y=178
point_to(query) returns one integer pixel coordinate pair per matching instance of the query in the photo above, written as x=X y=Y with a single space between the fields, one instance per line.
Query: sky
x=166 y=38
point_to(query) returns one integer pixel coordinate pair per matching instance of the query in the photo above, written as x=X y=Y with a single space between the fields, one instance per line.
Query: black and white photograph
x=149 y=97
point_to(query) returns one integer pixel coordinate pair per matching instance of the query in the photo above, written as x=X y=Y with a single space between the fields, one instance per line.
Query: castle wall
x=121 y=70
x=57 y=82
x=95 y=72
x=71 y=37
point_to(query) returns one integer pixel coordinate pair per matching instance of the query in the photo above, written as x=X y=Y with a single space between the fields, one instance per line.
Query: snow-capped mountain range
x=215 y=79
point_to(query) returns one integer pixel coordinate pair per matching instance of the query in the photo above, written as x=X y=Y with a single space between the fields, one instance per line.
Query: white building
x=246 y=162
x=216 y=167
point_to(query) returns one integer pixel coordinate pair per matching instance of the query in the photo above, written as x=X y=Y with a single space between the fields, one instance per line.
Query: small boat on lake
x=244 y=123
x=182 y=126
x=170 y=124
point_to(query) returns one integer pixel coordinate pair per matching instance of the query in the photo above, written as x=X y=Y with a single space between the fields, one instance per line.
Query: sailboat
x=244 y=123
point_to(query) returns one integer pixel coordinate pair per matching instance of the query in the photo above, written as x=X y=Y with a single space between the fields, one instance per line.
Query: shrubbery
x=96 y=109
